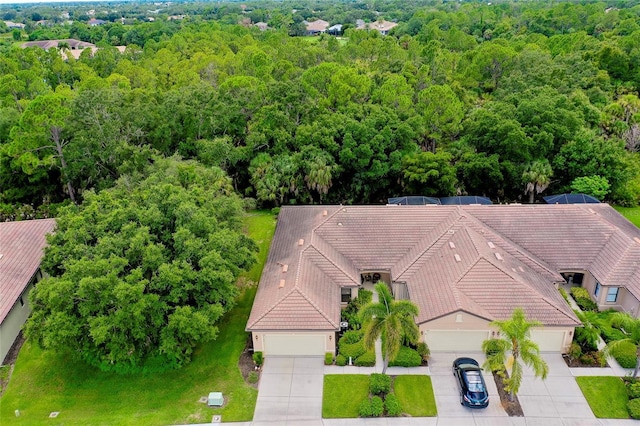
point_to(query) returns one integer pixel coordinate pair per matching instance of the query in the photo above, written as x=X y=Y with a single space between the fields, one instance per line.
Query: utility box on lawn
x=215 y=399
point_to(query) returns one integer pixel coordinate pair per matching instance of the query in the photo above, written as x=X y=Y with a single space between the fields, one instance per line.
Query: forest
x=509 y=100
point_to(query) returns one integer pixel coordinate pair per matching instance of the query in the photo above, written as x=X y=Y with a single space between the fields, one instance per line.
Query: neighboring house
x=14 y=25
x=262 y=26
x=463 y=266
x=95 y=22
x=21 y=250
x=316 y=27
x=383 y=27
x=48 y=44
x=335 y=30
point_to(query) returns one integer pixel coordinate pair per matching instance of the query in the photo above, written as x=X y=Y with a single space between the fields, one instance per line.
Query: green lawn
x=415 y=395
x=43 y=382
x=631 y=213
x=343 y=394
x=606 y=396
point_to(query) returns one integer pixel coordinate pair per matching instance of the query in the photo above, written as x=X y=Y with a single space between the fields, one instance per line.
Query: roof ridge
x=275 y=305
x=629 y=246
x=324 y=315
x=322 y=222
x=321 y=253
x=525 y=283
x=517 y=247
x=428 y=247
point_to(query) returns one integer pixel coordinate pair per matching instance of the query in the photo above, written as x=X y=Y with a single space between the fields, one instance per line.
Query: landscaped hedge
x=341 y=360
x=392 y=405
x=353 y=350
x=373 y=407
x=350 y=337
x=583 y=299
x=379 y=384
x=407 y=357
x=625 y=354
x=367 y=359
x=328 y=358
x=634 y=408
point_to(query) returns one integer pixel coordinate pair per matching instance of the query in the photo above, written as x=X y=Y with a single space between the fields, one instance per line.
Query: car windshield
x=475 y=381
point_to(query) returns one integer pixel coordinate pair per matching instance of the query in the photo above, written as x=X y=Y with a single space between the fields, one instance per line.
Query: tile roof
x=21 y=248
x=485 y=260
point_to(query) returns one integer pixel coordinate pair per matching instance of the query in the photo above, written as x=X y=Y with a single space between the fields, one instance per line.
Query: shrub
x=252 y=377
x=351 y=336
x=258 y=358
x=379 y=384
x=249 y=203
x=367 y=359
x=423 y=351
x=583 y=300
x=341 y=360
x=625 y=354
x=392 y=406
x=328 y=358
x=634 y=408
x=589 y=359
x=407 y=357
x=609 y=334
x=353 y=350
x=371 y=407
x=564 y=294
x=350 y=313
x=575 y=351
x=377 y=406
x=634 y=390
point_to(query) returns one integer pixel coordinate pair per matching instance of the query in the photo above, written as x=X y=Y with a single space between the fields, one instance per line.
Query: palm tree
x=588 y=334
x=537 y=178
x=631 y=328
x=514 y=338
x=389 y=319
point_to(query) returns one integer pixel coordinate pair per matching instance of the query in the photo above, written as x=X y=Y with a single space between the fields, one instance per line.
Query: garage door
x=456 y=340
x=549 y=340
x=294 y=344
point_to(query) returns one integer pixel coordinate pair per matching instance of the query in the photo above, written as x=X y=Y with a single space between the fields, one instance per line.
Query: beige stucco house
x=464 y=266
x=21 y=250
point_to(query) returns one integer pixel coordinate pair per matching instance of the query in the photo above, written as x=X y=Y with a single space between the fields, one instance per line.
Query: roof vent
x=1 y=256
x=491 y=245
x=499 y=256
x=339 y=223
x=636 y=239
x=457 y=257
x=592 y=210
x=285 y=268
x=300 y=242
x=281 y=284
x=452 y=245
x=521 y=269
x=324 y=212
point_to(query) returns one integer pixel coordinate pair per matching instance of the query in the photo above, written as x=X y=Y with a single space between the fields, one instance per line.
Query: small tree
x=631 y=328
x=514 y=338
x=392 y=320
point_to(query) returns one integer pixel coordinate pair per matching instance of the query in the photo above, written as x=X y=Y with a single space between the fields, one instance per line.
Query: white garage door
x=549 y=340
x=456 y=340
x=294 y=344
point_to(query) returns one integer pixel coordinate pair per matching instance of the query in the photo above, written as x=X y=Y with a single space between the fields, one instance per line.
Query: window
x=345 y=293
x=596 y=292
x=612 y=294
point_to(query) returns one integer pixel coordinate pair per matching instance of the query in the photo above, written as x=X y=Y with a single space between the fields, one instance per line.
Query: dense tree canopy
x=142 y=272
x=487 y=90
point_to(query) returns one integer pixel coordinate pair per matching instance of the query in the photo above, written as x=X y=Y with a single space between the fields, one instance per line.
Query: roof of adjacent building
x=482 y=259
x=48 y=44
x=317 y=25
x=382 y=26
x=21 y=250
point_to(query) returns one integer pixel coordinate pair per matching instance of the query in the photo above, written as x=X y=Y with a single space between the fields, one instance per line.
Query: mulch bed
x=512 y=408
x=10 y=360
x=246 y=364
x=576 y=363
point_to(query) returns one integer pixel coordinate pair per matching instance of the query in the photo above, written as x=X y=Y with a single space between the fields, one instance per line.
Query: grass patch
x=45 y=381
x=342 y=395
x=607 y=396
x=415 y=394
x=631 y=213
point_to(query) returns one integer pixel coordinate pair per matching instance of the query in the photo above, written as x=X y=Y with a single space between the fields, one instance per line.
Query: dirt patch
x=246 y=364
x=512 y=408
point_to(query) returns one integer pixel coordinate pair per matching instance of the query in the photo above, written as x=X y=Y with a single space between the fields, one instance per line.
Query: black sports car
x=473 y=390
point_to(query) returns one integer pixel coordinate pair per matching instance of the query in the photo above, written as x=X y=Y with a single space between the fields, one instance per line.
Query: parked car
x=473 y=390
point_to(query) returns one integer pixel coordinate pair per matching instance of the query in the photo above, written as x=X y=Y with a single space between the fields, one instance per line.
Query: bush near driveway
x=407 y=357
x=607 y=396
x=342 y=395
x=415 y=395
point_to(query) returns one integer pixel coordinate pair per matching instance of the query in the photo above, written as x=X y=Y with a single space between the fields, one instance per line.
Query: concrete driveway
x=290 y=391
x=554 y=401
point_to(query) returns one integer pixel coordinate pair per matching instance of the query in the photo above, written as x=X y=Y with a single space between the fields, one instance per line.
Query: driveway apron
x=290 y=390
